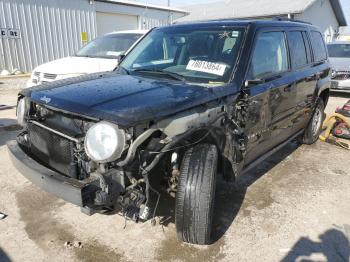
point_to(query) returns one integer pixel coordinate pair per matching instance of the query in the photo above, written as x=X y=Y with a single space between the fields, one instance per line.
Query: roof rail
x=278 y=18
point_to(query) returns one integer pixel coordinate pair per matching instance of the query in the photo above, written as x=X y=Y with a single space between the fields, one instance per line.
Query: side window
x=269 y=56
x=308 y=48
x=297 y=49
x=319 y=47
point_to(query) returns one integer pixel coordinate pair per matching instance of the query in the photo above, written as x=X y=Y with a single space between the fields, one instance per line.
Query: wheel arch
x=324 y=95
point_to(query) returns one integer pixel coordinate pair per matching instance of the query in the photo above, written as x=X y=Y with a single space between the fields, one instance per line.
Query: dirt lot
x=294 y=207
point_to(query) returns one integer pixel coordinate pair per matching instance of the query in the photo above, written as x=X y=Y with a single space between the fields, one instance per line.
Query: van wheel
x=314 y=128
x=196 y=193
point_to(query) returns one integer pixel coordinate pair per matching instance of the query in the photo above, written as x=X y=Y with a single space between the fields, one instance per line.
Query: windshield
x=109 y=46
x=339 y=50
x=205 y=55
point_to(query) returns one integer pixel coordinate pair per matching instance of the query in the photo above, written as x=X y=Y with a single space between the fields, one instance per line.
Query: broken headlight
x=104 y=142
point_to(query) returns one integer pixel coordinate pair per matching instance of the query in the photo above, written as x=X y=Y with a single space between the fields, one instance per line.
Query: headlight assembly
x=21 y=110
x=104 y=142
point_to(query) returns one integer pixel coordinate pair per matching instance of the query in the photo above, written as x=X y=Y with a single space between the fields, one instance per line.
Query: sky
x=346 y=9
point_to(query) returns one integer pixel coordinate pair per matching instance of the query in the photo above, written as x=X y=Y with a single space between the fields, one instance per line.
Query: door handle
x=313 y=77
x=310 y=78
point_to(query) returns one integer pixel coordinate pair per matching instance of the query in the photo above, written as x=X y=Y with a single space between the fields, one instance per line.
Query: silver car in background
x=339 y=56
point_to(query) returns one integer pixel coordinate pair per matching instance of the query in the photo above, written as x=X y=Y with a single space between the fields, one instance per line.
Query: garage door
x=108 y=22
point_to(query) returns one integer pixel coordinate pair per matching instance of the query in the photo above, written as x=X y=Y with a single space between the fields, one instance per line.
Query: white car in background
x=100 y=55
x=339 y=56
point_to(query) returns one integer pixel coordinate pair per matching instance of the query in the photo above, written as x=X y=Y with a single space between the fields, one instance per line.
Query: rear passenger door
x=303 y=74
x=271 y=102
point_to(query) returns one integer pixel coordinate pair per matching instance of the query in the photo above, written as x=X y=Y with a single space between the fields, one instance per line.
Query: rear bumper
x=71 y=190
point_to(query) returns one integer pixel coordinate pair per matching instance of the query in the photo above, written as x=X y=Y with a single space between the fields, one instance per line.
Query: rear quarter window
x=298 y=49
x=319 y=47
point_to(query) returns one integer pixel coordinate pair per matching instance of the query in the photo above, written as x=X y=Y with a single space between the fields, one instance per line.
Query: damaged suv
x=189 y=102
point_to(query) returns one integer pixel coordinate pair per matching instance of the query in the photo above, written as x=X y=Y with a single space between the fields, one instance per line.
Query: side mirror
x=253 y=82
x=120 y=58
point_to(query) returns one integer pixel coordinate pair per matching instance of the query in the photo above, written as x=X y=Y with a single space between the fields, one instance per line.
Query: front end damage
x=51 y=152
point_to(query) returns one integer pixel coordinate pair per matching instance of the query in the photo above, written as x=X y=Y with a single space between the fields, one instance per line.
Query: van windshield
x=109 y=46
x=205 y=55
x=339 y=50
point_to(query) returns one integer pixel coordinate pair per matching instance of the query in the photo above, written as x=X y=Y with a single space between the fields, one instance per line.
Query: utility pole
x=169 y=15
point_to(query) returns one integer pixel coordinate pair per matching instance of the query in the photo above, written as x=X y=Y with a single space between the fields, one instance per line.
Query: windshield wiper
x=163 y=72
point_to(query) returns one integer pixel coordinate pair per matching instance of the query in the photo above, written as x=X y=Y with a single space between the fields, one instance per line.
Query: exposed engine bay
x=123 y=179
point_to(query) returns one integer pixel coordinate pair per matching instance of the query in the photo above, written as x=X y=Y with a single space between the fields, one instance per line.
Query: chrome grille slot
x=49 y=76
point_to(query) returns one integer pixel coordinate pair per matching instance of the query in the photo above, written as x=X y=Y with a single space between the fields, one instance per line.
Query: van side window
x=297 y=49
x=269 y=56
x=319 y=47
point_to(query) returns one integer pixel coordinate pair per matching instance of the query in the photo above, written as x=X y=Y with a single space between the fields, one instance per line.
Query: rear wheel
x=196 y=193
x=314 y=128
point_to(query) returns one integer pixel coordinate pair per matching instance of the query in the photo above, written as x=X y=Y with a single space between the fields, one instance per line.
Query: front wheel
x=314 y=128
x=196 y=193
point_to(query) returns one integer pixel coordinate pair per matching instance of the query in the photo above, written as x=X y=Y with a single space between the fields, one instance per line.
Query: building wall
x=52 y=29
x=147 y=18
x=321 y=14
x=49 y=29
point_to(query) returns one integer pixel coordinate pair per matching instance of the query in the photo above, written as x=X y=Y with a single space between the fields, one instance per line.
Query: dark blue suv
x=188 y=102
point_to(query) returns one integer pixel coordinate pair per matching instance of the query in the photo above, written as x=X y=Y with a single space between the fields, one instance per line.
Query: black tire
x=313 y=130
x=196 y=193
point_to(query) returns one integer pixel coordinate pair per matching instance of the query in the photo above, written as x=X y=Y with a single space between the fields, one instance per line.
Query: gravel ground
x=292 y=207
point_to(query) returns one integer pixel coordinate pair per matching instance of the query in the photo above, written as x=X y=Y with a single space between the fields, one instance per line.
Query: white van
x=100 y=55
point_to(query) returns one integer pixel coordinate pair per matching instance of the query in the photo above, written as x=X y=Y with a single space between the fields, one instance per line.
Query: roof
x=255 y=8
x=145 y=5
x=235 y=22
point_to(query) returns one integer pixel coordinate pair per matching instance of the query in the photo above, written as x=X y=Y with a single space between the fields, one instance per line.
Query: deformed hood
x=125 y=99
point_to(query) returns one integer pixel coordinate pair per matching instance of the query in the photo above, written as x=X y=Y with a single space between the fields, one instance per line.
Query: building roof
x=255 y=8
x=143 y=5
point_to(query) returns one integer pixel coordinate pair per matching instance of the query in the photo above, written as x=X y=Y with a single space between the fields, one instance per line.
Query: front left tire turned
x=195 y=196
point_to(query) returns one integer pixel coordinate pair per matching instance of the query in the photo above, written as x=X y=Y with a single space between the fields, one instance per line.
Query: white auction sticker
x=206 y=67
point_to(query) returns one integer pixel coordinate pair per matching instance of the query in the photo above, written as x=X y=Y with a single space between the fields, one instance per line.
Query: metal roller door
x=109 y=22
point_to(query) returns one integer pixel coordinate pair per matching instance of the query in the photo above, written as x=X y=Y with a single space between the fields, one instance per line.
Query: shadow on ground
x=340 y=94
x=7 y=122
x=3 y=256
x=7 y=134
x=229 y=196
x=333 y=244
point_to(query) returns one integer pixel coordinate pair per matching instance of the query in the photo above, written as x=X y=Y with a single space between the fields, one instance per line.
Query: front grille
x=50 y=76
x=52 y=150
x=342 y=75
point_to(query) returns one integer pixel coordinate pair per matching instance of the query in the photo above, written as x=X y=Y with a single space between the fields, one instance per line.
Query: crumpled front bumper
x=80 y=193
